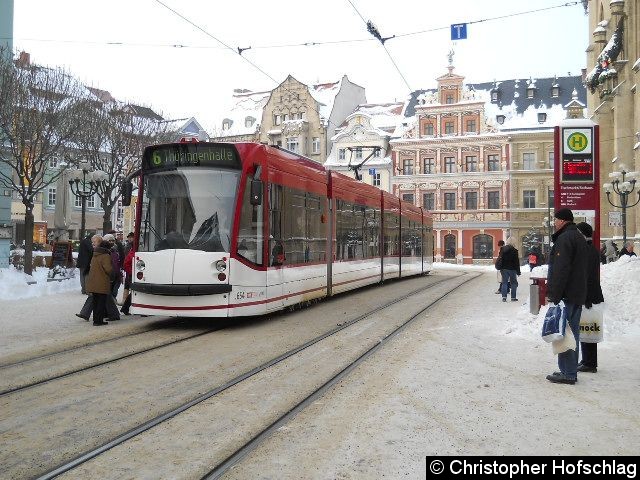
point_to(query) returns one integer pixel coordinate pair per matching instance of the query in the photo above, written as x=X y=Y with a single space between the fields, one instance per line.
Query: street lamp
x=84 y=183
x=623 y=184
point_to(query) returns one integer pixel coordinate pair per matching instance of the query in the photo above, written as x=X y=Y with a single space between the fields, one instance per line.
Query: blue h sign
x=372 y=171
x=459 y=31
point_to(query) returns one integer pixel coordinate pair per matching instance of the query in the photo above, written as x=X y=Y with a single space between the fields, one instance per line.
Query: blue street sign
x=372 y=171
x=459 y=31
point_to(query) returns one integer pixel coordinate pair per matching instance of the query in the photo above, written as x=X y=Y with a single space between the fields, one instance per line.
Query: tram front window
x=188 y=208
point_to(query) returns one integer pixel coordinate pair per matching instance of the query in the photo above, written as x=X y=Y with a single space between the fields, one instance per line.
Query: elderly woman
x=99 y=281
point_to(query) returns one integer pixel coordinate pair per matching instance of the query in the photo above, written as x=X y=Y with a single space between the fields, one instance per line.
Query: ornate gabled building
x=363 y=139
x=477 y=156
x=613 y=58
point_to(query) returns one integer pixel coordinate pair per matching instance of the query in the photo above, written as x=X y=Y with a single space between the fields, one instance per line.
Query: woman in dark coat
x=99 y=281
x=589 y=351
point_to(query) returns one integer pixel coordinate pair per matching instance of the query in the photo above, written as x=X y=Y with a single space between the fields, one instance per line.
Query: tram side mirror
x=256 y=192
x=127 y=190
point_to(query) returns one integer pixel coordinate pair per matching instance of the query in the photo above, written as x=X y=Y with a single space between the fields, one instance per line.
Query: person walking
x=99 y=281
x=533 y=260
x=117 y=264
x=85 y=252
x=498 y=265
x=589 y=361
x=567 y=281
x=128 y=268
x=510 y=269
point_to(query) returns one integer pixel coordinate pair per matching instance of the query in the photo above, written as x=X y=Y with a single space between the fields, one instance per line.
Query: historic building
x=363 y=140
x=613 y=58
x=478 y=157
x=295 y=116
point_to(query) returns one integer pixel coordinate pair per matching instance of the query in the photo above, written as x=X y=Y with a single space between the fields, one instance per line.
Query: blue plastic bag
x=554 y=323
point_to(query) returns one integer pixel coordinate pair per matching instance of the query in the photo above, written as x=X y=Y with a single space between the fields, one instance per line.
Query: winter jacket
x=624 y=251
x=120 y=250
x=99 y=278
x=510 y=259
x=115 y=265
x=567 y=276
x=594 y=290
x=85 y=252
x=128 y=262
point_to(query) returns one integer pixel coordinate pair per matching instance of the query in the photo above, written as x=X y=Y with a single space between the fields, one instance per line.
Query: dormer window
x=500 y=119
x=494 y=96
x=226 y=124
x=249 y=121
x=449 y=99
x=530 y=92
x=542 y=117
x=555 y=91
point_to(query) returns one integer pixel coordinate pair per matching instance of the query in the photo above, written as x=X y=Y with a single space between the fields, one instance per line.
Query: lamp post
x=84 y=183
x=623 y=184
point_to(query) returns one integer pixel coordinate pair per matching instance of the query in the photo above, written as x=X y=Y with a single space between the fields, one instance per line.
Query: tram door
x=276 y=248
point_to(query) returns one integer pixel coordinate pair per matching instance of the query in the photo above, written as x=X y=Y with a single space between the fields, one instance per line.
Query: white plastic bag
x=591 y=325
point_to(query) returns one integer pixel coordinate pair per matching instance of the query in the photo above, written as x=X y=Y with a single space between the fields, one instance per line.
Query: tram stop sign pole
x=577 y=171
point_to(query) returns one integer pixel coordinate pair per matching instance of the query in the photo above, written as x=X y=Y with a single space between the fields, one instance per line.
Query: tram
x=238 y=229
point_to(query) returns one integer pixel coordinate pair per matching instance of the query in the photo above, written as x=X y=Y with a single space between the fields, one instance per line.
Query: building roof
x=245 y=104
x=518 y=110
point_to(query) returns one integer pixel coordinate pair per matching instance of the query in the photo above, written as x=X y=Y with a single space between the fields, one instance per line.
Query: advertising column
x=577 y=171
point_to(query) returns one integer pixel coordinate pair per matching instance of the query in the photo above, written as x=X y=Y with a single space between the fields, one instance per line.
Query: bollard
x=534 y=298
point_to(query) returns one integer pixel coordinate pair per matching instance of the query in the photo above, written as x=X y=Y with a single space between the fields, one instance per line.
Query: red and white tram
x=239 y=229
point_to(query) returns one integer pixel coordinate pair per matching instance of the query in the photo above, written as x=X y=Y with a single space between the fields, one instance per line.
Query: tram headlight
x=140 y=265
x=221 y=265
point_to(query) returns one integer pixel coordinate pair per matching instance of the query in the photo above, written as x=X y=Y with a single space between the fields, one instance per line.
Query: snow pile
x=620 y=283
x=16 y=285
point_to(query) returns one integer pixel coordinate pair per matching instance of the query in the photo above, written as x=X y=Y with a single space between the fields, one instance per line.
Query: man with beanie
x=567 y=281
x=589 y=361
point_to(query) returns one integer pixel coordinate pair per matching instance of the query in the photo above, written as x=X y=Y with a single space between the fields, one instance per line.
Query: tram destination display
x=162 y=157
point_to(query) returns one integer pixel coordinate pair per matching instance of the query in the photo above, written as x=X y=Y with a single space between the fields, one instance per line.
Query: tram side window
x=391 y=234
x=276 y=246
x=350 y=231
x=250 y=241
x=411 y=241
x=372 y=232
x=316 y=245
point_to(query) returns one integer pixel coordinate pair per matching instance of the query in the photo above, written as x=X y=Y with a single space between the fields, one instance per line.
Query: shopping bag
x=591 y=327
x=554 y=323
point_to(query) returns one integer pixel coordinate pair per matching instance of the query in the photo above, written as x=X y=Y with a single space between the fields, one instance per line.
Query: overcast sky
x=198 y=79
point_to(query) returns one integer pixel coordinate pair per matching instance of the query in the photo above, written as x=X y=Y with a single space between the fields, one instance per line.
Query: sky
x=125 y=47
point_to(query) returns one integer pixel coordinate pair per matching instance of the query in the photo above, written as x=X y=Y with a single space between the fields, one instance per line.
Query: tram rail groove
x=120 y=439
x=252 y=444
x=105 y=362
x=86 y=345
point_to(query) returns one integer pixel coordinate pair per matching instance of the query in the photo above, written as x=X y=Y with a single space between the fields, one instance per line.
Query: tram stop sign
x=577 y=171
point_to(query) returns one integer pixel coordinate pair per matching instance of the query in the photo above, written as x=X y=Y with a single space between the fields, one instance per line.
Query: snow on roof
x=325 y=95
x=246 y=105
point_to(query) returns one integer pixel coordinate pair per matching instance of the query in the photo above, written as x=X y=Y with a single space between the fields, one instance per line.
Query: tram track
x=241 y=452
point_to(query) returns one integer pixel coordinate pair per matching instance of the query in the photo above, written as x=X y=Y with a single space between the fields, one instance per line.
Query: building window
x=51 y=196
x=529 y=199
x=551 y=198
x=500 y=119
x=53 y=162
x=449 y=201
x=285 y=117
x=249 y=121
x=358 y=153
x=377 y=152
x=292 y=144
x=77 y=201
x=555 y=92
x=542 y=117
x=428 y=129
x=428 y=201
x=471 y=125
x=471 y=164
x=428 y=165
x=494 y=96
x=376 y=179
x=277 y=119
x=551 y=159
x=448 y=127
x=493 y=200
x=316 y=145
x=407 y=197
x=449 y=99
x=226 y=124
x=407 y=166
x=493 y=165
x=483 y=246
x=341 y=154
x=530 y=92
x=471 y=200
x=449 y=165
x=529 y=161
x=91 y=201
x=449 y=246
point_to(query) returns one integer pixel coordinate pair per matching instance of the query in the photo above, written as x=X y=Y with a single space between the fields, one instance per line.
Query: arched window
x=483 y=246
x=449 y=246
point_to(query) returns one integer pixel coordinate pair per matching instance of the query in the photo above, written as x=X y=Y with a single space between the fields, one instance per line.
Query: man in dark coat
x=567 y=281
x=85 y=252
x=589 y=361
x=510 y=269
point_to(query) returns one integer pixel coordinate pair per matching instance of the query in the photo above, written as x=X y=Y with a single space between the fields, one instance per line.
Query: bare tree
x=38 y=119
x=113 y=139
